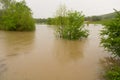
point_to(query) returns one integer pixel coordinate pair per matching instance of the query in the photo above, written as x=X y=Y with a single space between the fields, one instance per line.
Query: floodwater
x=40 y=56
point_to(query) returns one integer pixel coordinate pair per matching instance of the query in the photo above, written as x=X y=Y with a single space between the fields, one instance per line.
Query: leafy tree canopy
x=17 y=16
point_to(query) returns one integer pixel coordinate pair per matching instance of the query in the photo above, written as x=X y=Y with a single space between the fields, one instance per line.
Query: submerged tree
x=70 y=24
x=111 y=36
x=17 y=17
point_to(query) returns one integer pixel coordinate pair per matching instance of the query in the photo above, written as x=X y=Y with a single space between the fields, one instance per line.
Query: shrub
x=111 y=36
x=70 y=24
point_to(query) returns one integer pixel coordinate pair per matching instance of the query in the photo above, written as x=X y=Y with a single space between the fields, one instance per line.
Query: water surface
x=40 y=56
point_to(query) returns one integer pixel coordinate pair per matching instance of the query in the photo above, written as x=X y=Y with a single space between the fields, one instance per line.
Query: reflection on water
x=3 y=65
x=40 y=56
x=67 y=51
x=16 y=43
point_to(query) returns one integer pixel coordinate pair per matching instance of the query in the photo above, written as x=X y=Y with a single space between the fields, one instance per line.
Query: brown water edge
x=40 y=56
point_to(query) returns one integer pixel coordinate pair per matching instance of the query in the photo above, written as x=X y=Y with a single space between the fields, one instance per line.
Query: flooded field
x=40 y=56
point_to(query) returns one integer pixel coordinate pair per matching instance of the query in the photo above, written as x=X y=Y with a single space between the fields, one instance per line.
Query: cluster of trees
x=93 y=18
x=41 y=21
x=51 y=21
x=16 y=16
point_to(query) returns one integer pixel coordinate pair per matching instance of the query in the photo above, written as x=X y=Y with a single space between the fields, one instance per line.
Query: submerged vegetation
x=111 y=42
x=16 y=16
x=111 y=36
x=70 y=24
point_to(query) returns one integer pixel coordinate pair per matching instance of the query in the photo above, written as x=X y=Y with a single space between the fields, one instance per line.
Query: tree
x=17 y=17
x=95 y=18
x=60 y=18
x=41 y=21
x=51 y=21
x=70 y=24
x=111 y=36
x=5 y=3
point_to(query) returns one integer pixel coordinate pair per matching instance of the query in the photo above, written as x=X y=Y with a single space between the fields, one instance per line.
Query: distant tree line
x=41 y=20
x=51 y=21
x=104 y=18
x=101 y=18
x=93 y=18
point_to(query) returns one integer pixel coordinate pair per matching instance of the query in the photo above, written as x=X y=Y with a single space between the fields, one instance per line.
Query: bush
x=111 y=36
x=74 y=28
x=70 y=24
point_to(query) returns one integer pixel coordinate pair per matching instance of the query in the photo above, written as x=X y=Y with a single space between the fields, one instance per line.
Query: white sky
x=47 y=8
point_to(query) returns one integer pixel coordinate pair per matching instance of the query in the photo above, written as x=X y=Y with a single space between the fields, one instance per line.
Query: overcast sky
x=47 y=8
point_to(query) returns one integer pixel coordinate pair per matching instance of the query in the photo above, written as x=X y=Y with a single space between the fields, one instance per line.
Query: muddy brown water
x=40 y=56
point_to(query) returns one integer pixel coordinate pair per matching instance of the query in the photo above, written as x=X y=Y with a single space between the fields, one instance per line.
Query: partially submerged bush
x=70 y=24
x=74 y=28
x=111 y=36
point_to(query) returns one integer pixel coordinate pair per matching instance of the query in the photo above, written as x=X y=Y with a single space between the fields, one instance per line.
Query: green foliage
x=41 y=21
x=113 y=73
x=51 y=21
x=111 y=36
x=17 y=17
x=111 y=67
x=93 y=18
x=5 y=3
x=74 y=27
x=70 y=24
x=111 y=42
